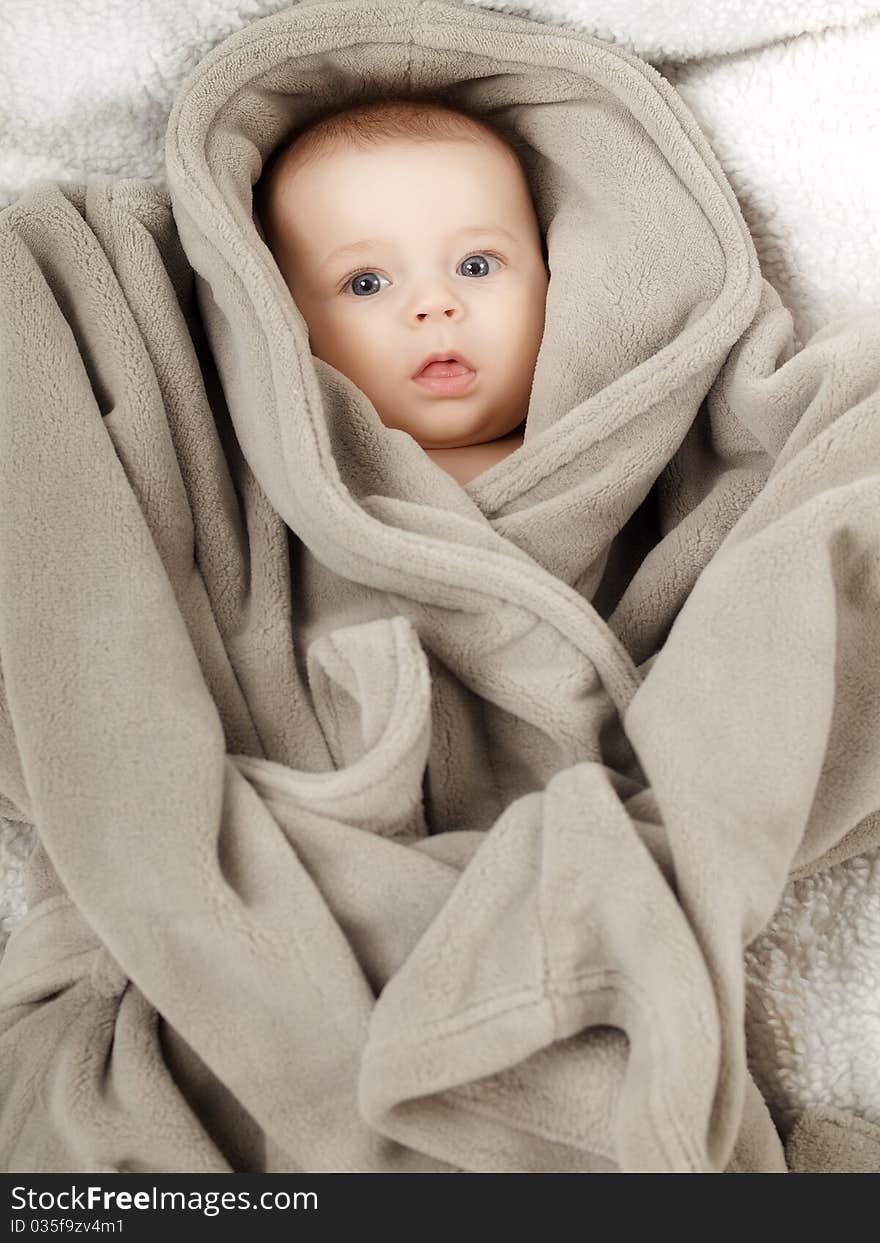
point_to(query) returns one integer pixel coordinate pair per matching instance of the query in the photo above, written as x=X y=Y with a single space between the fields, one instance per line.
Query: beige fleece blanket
x=389 y=825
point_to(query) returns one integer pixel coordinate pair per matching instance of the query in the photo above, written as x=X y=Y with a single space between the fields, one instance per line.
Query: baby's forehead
x=292 y=196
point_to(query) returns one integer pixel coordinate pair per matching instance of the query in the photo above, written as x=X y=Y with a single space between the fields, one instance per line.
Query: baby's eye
x=482 y=258
x=366 y=283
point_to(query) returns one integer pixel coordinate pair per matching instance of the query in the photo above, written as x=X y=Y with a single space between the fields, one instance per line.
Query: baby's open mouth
x=443 y=365
x=446 y=378
x=445 y=369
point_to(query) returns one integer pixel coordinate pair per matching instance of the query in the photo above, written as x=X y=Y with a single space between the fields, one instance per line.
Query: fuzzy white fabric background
x=788 y=93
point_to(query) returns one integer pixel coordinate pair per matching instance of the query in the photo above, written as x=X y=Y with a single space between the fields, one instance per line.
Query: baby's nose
x=436 y=298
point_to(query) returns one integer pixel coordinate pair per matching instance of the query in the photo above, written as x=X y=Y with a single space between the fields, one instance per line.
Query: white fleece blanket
x=788 y=94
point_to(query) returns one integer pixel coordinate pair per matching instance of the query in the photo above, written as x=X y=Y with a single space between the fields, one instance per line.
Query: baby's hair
x=369 y=123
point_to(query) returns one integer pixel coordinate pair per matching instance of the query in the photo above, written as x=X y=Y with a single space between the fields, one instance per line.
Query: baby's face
x=442 y=255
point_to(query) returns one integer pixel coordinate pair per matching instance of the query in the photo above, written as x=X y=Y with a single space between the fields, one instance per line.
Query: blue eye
x=361 y=285
x=477 y=258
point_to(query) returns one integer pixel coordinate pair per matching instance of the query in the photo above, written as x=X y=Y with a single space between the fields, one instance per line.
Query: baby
x=406 y=233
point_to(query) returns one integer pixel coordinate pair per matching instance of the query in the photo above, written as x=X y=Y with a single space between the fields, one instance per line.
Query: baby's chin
x=450 y=430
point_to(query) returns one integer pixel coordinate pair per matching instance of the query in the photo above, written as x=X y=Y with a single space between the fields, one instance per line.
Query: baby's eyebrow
x=353 y=248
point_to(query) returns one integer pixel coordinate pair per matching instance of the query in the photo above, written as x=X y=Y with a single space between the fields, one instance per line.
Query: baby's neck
x=468 y=461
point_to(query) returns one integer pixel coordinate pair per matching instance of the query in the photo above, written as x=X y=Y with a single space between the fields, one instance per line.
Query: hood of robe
x=654 y=277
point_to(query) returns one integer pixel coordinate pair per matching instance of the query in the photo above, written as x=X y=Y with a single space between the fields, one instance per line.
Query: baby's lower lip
x=447 y=386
